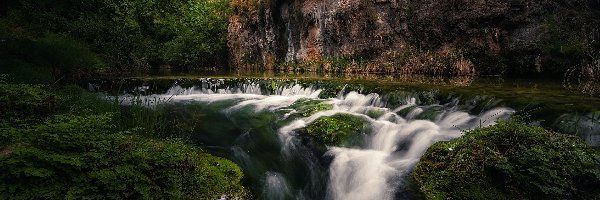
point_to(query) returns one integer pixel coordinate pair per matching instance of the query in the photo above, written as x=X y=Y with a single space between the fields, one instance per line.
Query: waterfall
x=275 y=186
x=393 y=148
x=375 y=169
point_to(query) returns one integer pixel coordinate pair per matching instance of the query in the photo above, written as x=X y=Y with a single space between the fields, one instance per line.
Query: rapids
x=280 y=162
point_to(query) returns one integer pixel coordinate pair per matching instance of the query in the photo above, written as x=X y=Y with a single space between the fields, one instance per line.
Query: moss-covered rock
x=431 y=113
x=405 y=111
x=510 y=160
x=397 y=98
x=375 y=113
x=307 y=107
x=337 y=130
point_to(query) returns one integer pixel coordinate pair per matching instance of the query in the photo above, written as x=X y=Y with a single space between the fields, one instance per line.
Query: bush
x=25 y=102
x=52 y=55
x=85 y=157
x=65 y=56
x=510 y=160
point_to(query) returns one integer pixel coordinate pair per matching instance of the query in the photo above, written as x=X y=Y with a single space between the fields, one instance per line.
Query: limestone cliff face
x=406 y=36
x=300 y=31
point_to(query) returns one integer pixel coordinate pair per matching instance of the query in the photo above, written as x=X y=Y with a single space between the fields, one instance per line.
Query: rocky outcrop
x=409 y=36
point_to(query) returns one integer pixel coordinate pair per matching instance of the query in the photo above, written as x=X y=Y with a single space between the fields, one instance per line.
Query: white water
x=377 y=170
x=374 y=170
x=275 y=186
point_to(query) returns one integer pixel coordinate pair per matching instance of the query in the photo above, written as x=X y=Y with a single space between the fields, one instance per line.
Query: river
x=259 y=122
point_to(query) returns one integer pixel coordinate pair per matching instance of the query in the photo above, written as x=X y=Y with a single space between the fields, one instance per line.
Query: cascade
x=376 y=168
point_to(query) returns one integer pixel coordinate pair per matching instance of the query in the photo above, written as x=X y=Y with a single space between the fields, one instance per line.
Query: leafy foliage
x=64 y=142
x=561 y=46
x=125 y=35
x=85 y=157
x=22 y=101
x=510 y=160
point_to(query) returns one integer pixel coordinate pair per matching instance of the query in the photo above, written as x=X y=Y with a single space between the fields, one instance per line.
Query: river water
x=259 y=123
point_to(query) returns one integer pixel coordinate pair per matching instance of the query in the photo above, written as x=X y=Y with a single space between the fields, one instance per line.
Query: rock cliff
x=453 y=37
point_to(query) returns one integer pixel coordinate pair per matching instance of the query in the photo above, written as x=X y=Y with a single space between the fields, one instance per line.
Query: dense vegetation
x=62 y=142
x=59 y=141
x=510 y=160
x=77 y=36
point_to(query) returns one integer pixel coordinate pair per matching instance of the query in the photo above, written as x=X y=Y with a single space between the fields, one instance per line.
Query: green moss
x=397 y=98
x=431 y=113
x=87 y=157
x=307 y=107
x=510 y=160
x=337 y=130
x=330 y=89
x=375 y=113
x=404 y=112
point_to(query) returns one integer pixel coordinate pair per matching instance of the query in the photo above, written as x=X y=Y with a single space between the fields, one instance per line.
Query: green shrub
x=86 y=157
x=65 y=56
x=74 y=100
x=124 y=35
x=510 y=160
x=25 y=102
x=61 y=56
x=566 y=42
x=26 y=72
x=337 y=130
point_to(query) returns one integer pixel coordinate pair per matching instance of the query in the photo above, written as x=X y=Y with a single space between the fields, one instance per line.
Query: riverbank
x=60 y=141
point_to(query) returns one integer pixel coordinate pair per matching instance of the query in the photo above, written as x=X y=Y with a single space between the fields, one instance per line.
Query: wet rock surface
x=407 y=36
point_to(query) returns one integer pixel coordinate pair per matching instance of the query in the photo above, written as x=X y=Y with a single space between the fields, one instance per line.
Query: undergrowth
x=64 y=142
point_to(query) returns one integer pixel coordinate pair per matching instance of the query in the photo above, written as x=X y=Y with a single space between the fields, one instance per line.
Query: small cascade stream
x=377 y=168
x=257 y=126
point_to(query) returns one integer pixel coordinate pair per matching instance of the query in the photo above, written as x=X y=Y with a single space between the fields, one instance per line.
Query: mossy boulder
x=397 y=98
x=405 y=111
x=306 y=107
x=510 y=160
x=337 y=130
x=375 y=113
x=431 y=113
